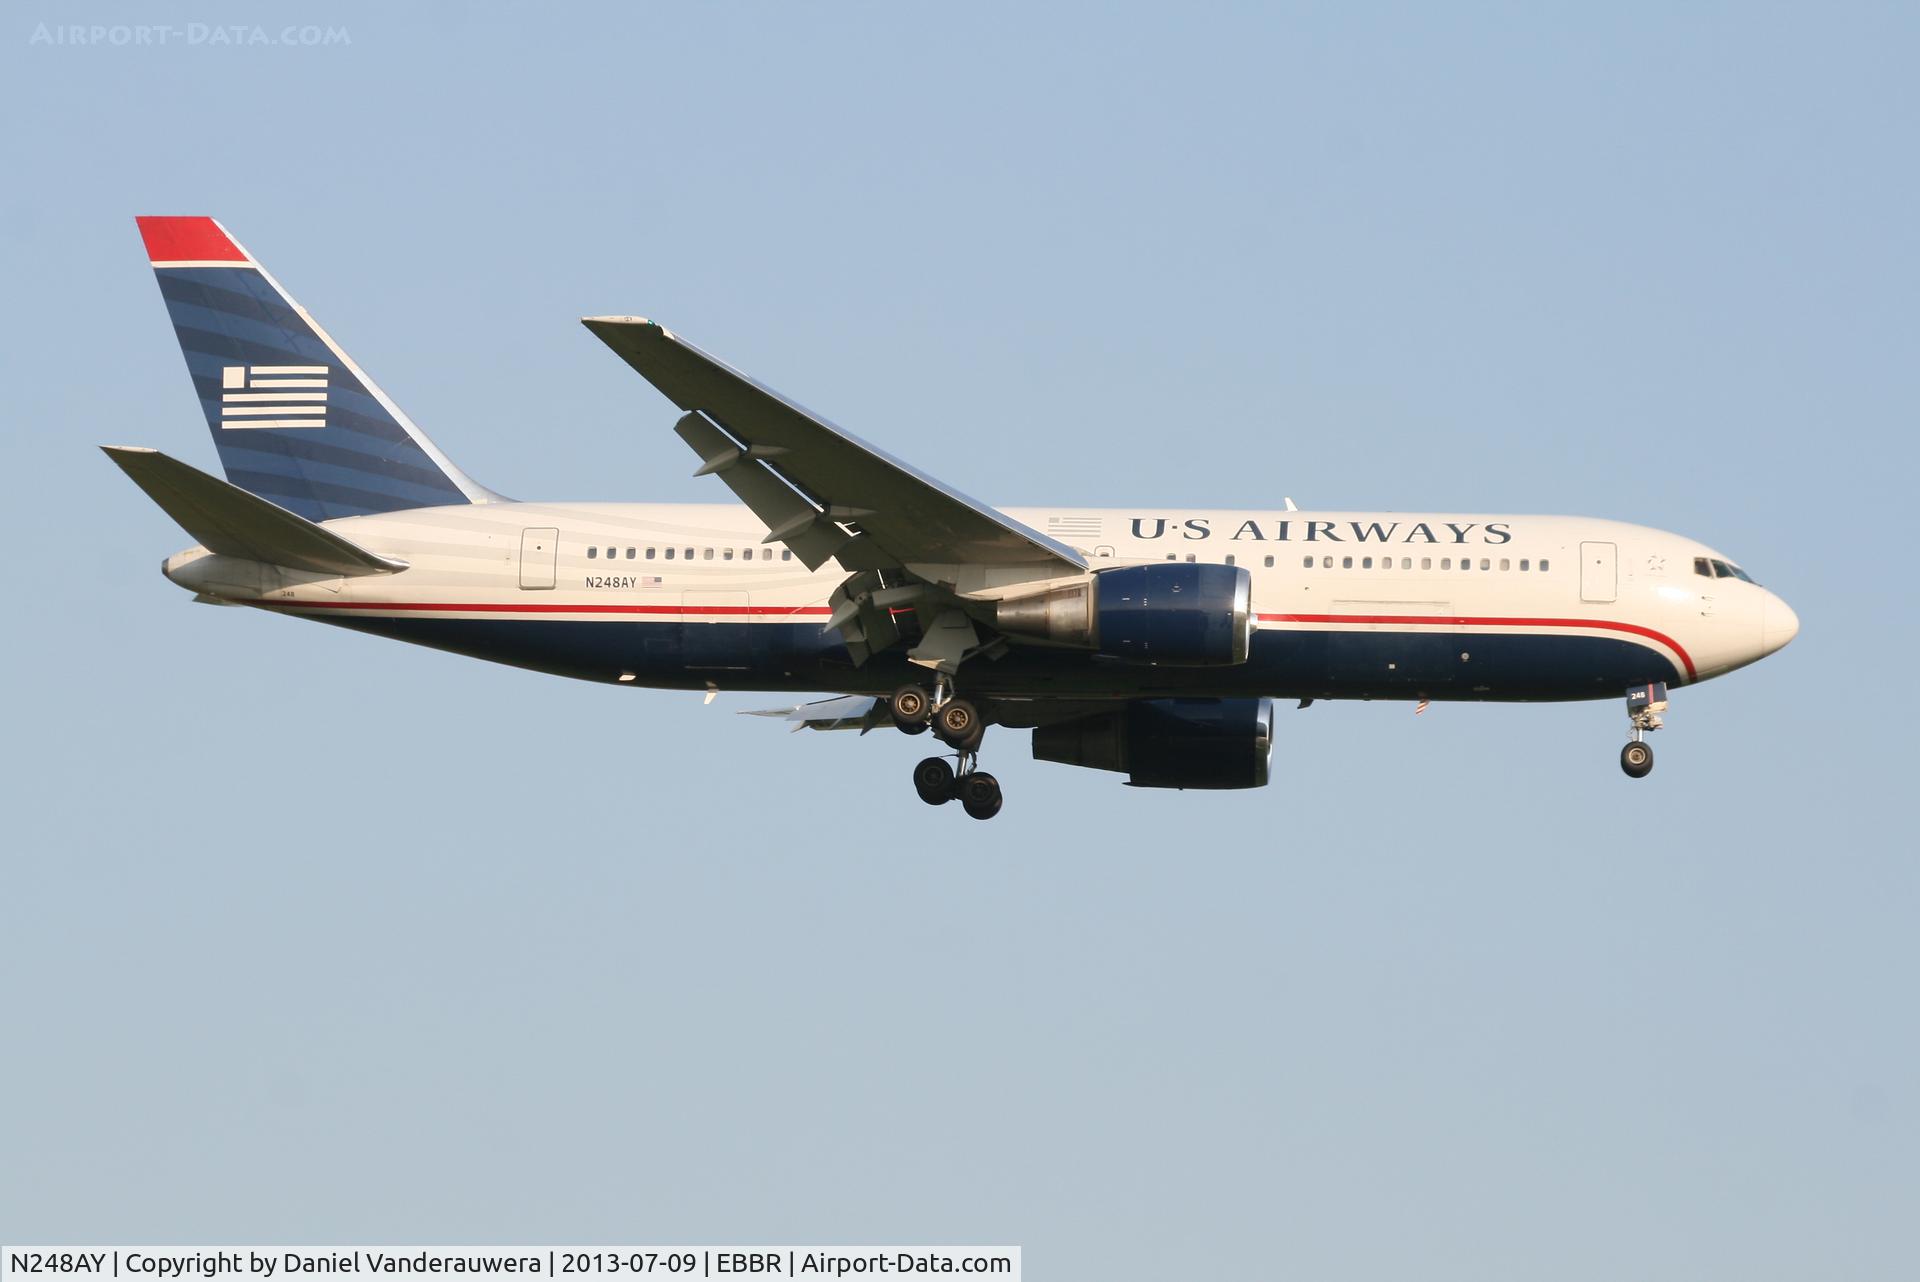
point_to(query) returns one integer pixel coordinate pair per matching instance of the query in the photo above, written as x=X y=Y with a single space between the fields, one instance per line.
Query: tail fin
x=294 y=419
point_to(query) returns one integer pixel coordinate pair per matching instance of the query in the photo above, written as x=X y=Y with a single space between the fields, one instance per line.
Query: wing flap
x=846 y=712
x=790 y=518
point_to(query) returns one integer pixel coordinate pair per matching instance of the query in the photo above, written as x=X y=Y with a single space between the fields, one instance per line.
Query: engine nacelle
x=1176 y=612
x=1170 y=743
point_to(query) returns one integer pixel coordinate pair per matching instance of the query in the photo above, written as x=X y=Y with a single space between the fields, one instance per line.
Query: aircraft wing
x=822 y=491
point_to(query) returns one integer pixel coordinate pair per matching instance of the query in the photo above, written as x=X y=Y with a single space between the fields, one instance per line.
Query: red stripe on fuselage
x=1477 y=621
x=503 y=607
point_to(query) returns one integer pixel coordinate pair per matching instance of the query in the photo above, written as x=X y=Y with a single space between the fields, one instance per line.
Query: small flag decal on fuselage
x=273 y=396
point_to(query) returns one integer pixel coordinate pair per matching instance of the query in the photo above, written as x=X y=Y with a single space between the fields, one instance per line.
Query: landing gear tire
x=958 y=724
x=1637 y=760
x=933 y=780
x=980 y=795
x=909 y=703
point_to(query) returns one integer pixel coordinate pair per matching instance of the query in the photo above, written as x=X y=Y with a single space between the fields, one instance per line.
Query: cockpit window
x=1716 y=569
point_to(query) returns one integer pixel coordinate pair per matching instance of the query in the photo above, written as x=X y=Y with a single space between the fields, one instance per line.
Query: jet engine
x=1176 y=613
x=1169 y=743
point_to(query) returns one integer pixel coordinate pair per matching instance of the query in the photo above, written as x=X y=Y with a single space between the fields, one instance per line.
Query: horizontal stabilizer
x=232 y=522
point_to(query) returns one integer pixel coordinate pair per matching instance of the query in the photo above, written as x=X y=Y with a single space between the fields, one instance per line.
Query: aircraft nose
x=1778 y=624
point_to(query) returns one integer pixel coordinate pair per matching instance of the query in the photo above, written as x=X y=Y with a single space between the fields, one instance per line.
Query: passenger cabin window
x=649 y=554
x=1346 y=563
x=726 y=554
x=1523 y=565
x=1229 y=558
x=1543 y=565
x=669 y=554
x=1270 y=562
x=592 y=553
x=1306 y=562
x=786 y=554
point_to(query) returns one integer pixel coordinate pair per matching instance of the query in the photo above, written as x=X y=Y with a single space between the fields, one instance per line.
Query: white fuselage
x=1348 y=592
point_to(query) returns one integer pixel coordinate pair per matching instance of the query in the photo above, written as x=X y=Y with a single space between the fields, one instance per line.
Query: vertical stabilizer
x=294 y=419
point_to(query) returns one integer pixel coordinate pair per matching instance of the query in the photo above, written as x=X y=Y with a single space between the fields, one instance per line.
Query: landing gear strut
x=1644 y=706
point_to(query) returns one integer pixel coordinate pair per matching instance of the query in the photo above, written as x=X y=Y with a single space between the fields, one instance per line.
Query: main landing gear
x=958 y=724
x=938 y=783
x=1644 y=706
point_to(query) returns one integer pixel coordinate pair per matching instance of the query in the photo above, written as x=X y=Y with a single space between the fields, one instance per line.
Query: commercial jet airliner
x=1147 y=641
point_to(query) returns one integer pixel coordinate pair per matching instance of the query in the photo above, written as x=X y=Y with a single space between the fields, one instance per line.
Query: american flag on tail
x=273 y=396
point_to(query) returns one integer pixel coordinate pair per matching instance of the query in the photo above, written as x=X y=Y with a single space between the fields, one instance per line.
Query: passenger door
x=539 y=552
x=1599 y=572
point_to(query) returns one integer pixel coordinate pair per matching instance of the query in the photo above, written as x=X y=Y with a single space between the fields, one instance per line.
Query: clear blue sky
x=310 y=937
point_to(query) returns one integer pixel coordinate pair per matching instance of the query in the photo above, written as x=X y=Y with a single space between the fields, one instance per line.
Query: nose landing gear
x=1644 y=706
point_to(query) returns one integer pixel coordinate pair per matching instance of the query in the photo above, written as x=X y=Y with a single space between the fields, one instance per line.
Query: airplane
x=1152 y=642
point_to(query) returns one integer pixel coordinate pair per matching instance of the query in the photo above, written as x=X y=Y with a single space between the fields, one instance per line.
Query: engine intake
x=1170 y=743
x=1176 y=613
